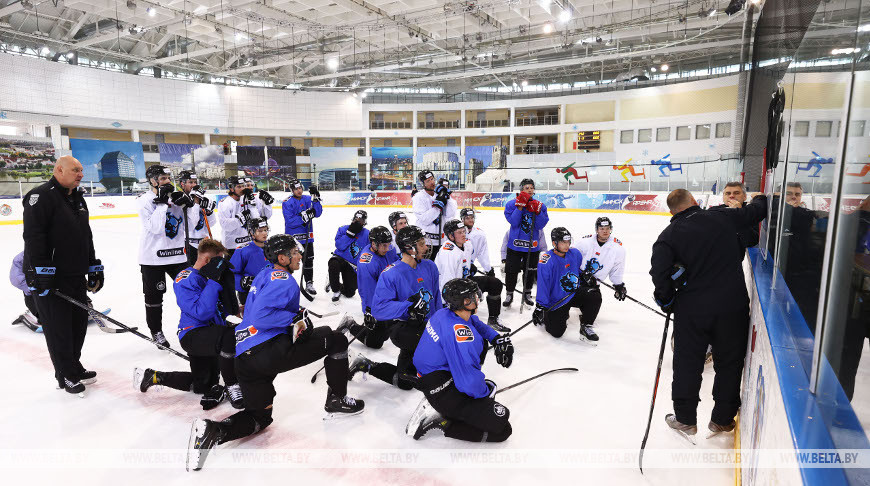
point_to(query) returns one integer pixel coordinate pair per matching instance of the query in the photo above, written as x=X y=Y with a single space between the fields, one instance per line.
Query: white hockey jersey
x=231 y=219
x=395 y=246
x=427 y=216
x=606 y=261
x=481 y=249
x=162 y=240
x=453 y=262
x=197 y=224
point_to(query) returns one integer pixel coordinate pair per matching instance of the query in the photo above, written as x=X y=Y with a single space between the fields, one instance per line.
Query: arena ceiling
x=359 y=44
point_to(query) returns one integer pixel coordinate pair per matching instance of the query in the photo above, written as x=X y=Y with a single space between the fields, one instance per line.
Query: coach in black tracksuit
x=58 y=254
x=712 y=306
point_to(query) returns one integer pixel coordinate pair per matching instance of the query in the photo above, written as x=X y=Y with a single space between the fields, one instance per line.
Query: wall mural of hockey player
x=604 y=257
x=238 y=209
x=350 y=240
x=371 y=263
x=249 y=259
x=432 y=206
x=299 y=212
x=275 y=336
x=397 y=220
x=456 y=260
x=407 y=294
x=204 y=335
x=459 y=400
x=561 y=274
x=161 y=246
x=527 y=217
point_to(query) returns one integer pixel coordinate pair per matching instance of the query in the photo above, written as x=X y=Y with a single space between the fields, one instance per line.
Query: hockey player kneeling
x=275 y=336
x=560 y=276
x=459 y=400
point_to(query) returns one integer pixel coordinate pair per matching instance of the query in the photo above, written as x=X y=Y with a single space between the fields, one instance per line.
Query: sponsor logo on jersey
x=33 y=199
x=447 y=246
x=280 y=275
x=242 y=334
x=182 y=275
x=463 y=333
x=617 y=241
x=593 y=265
x=432 y=333
x=525 y=243
x=170 y=252
x=544 y=258
x=243 y=239
x=499 y=409
x=172 y=224
x=388 y=267
x=569 y=282
x=365 y=258
x=161 y=286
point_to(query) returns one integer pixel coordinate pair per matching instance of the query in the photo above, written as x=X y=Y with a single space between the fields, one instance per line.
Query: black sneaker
x=204 y=436
x=345 y=406
x=213 y=397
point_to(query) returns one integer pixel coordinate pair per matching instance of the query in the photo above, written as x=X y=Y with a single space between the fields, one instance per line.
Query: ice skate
x=88 y=377
x=588 y=335
x=346 y=325
x=236 y=399
x=336 y=296
x=528 y=300
x=160 y=339
x=716 y=429
x=359 y=364
x=74 y=387
x=496 y=325
x=338 y=407
x=424 y=419
x=213 y=397
x=143 y=379
x=508 y=299
x=204 y=436
x=309 y=287
x=685 y=431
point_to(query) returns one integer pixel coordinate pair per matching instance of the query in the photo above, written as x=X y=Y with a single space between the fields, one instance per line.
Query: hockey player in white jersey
x=604 y=257
x=235 y=212
x=455 y=261
x=259 y=198
x=398 y=220
x=200 y=216
x=161 y=246
x=432 y=206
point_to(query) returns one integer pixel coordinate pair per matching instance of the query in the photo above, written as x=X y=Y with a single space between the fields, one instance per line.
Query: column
x=462 y=122
x=511 y=148
x=513 y=121
x=56 y=138
x=134 y=134
x=562 y=114
x=206 y=138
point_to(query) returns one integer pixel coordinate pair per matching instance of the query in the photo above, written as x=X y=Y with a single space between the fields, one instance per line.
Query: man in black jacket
x=709 y=302
x=59 y=255
x=734 y=196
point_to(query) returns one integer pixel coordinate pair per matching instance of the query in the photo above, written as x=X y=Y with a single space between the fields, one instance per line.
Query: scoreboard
x=588 y=140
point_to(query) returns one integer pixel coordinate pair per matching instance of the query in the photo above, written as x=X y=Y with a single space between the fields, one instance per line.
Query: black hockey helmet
x=257 y=223
x=187 y=175
x=525 y=182
x=425 y=174
x=233 y=181
x=279 y=245
x=603 y=221
x=451 y=226
x=295 y=184
x=457 y=291
x=560 y=234
x=155 y=171
x=408 y=237
x=380 y=234
x=466 y=212
x=361 y=214
x=395 y=216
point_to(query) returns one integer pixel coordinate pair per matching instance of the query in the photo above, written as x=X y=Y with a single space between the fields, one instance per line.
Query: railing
x=533 y=121
x=438 y=124
x=488 y=123
x=381 y=125
x=536 y=148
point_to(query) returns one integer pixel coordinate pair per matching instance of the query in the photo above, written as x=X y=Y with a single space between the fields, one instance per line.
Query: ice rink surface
x=568 y=428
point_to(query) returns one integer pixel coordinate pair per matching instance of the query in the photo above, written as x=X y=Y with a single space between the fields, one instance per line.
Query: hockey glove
x=472 y=271
x=493 y=388
x=302 y=326
x=307 y=215
x=588 y=279
x=245 y=283
x=248 y=193
x=369 y=320
x=215 y=268
x=442 y=188
x=315 y=193
x=354 y=228
x=504 y=350
x=418 y=310
x=620 y=293
x=522 y=200
x=490 y=273
x=163 y=193
x=40 y=279
x=665 y=304
x=180 y=199
x=534 y=206
x=678 y=275
x=207 y=205
x=266 y=198
x=539 y=316
x=95 y=276
x=213 y=397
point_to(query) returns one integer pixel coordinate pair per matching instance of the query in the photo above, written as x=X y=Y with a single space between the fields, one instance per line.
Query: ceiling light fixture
x=712 y=12
x=565 y=16
x=524 y=83
x=45 y=51
x=845 y=50
x=240 y=36
x=664 y=67
x=653 y=69
x=548 y=28
x=151 y=11
x=332 y=63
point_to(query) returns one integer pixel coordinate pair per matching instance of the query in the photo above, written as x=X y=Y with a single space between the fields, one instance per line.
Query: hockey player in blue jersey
x=523 y=212
x=275 y=336
x=407 y=294
x=203 y=333
x=459 y=400
x=299 y=213
x=350 y=240
x=559 y=275
x=371 y=263
x=249 y=259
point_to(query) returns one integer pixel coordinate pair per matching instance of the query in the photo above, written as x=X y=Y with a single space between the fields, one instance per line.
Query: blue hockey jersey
x=198 y=298
x=368 y=270
x=558 y=277
x=292 y=208
x=350 y=248
x=453 y=344
x=521 y=226
x=398 y=282
x=247 y=260
x=272 y=303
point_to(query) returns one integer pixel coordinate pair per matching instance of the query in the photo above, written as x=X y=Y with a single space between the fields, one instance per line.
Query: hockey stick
x=207 y=225
x=652 y=404
x=314 y=378
x=103 y=327
x=187 y=246
x=533 y=378
x=133 y=330
x=630 y=298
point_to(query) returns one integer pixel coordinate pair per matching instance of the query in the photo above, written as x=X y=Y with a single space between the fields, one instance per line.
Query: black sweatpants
x=154 y=286
x=433 y=251
x=727 y=332
x=212 y=351
x=258 y=367
x=342 y=276
x=372 y=338
x=403 y=374
x=516 y=263
x=492 y=287
x=31 y=305
x=471 y=419
x=587 y=299
x=308 y=262
x=64 y=326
